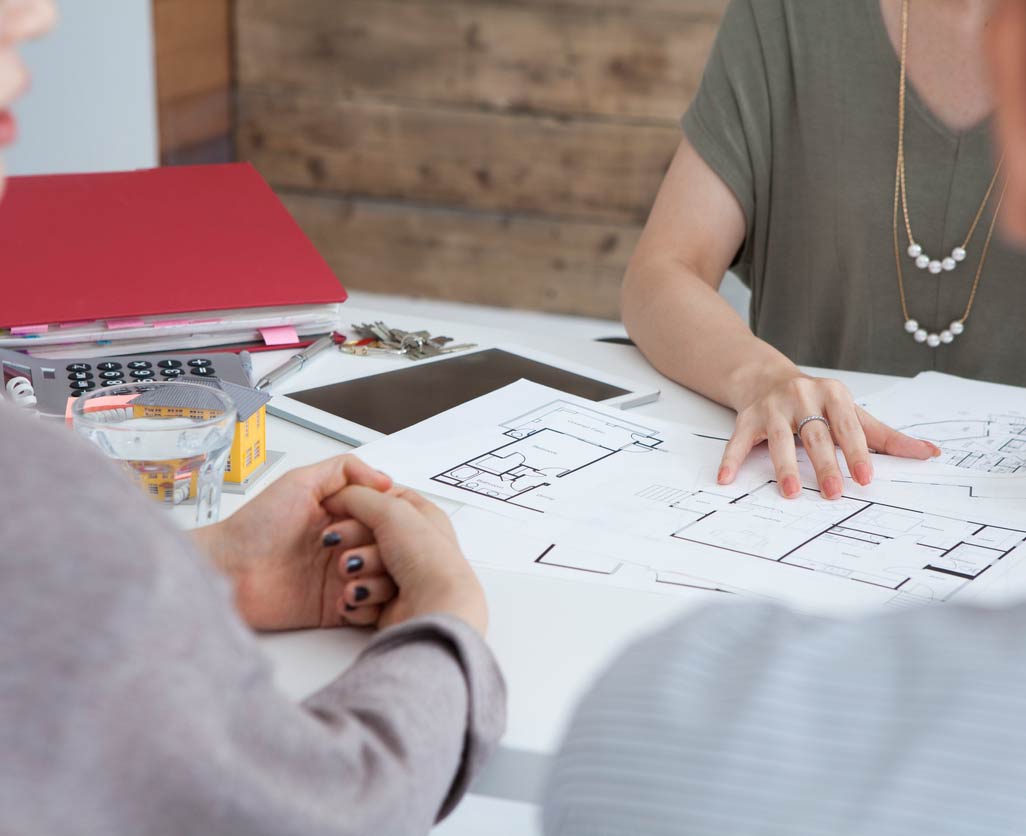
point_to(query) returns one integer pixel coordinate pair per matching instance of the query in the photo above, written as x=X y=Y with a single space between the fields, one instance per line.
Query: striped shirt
x=753 y=719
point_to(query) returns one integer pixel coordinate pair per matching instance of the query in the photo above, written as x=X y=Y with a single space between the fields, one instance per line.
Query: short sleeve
x=729 y=121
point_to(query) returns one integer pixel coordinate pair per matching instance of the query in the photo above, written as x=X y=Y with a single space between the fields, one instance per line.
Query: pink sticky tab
x=280 y=335
x=27 y=330
x=170 y=323
x=115 y=324
x=99 y=405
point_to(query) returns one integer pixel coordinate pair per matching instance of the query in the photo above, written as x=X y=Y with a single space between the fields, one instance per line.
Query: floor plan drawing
x=588 y=493
x=546 y=444
x=921 y=557
x=928 y=556
x=994 y=444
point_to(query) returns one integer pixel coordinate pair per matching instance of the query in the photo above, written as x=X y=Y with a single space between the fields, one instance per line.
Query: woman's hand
x=774 y=414
x=402 y=534
x=280 y=550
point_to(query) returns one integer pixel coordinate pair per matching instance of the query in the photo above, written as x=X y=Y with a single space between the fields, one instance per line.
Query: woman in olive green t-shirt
x=787 y=174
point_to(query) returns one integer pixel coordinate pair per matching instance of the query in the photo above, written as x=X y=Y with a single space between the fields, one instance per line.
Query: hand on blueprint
x=774 y=414
x=409 y=538
x=280 y=550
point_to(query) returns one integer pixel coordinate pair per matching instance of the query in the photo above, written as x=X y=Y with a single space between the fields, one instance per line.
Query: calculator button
x=170 y=364
x=79 y=367
x=172 y=373
x=108 y=366
x=111 y=375
x=83 y=385
x=142 y=374
x=77 y=394
x=80 y=376
x=140 y=364
x=200 y=363
x=204 y=371
x=111 y=382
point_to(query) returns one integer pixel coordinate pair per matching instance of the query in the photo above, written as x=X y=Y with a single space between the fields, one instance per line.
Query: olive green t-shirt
x=798 y=114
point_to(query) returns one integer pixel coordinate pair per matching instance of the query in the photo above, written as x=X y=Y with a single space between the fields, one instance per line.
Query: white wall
x=92 y=105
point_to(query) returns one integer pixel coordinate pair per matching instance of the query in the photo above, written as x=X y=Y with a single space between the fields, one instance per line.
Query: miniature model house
x=249 y=447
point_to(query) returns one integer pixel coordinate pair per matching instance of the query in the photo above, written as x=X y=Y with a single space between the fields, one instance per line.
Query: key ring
x=809 y=419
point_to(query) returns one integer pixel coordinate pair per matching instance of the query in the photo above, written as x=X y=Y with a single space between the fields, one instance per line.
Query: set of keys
x=377 y=339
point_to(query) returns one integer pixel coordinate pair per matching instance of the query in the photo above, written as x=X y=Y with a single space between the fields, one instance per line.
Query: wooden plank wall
x=194 y=79
x=496 y=151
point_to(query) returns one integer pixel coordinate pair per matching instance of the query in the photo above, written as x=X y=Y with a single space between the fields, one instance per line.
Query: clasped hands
x=337 y=544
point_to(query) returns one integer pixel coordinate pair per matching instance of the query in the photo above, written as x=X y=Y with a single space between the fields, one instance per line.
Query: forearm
x=692 y=335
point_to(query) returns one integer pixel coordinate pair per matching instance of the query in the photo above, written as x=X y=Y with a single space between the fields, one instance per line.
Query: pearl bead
x=922 y=262
x=914 y=251
x=920 y=336
x=935 y=267
x=946 y=337
x=958 y=254
x=949 y=264
x=956 y=327
x=911 y=326
x=933 y=340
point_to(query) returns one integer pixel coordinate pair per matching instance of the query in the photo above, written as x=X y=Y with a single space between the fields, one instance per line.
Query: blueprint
x=980 y=427
x=560 y=485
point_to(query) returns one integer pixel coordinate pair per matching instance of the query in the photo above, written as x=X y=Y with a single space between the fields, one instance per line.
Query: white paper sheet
x=981 y=427
x=634 y=500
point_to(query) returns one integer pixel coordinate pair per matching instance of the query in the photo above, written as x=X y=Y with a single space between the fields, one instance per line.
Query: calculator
x=54 y=381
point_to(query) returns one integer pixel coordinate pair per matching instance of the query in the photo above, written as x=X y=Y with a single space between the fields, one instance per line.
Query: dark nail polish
x=354 y=564
x=332 y=538
x=361 y=593
x=350 y=608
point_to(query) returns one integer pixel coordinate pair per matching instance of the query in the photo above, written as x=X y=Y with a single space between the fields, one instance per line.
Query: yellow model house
x=249 y=446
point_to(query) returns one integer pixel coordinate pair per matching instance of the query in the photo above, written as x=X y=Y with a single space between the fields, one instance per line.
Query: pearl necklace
x=915 y=251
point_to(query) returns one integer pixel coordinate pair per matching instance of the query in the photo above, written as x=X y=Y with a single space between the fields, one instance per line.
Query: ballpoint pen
x=296 y=362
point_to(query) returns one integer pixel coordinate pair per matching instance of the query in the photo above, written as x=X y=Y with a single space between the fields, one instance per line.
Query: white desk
x=551 y=637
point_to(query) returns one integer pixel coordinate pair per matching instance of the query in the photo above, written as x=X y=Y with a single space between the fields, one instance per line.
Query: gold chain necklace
x=932 y=338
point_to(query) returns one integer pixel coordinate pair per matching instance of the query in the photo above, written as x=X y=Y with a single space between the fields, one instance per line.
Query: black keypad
x=79 y=367
x=170 y=364
x=172 y=373
x=83 y=385
x=200 y=362
x=112 y=375
x=140 y=364
x=142 y=374
x=80 y=376
x=204 y=371
x=108 y=366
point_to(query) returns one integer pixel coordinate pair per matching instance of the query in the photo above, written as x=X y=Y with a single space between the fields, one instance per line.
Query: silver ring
x=804 y=421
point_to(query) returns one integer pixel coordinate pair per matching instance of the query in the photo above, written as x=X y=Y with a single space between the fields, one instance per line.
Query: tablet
x=362 y=409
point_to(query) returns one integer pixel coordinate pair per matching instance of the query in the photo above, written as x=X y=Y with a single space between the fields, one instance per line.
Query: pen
x=296 y=362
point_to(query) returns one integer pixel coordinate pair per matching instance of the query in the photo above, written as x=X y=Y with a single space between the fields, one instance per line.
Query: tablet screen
x=393 y=401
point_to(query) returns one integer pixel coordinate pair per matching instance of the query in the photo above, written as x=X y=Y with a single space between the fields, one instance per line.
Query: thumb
x=375 y=509
x=889 y=441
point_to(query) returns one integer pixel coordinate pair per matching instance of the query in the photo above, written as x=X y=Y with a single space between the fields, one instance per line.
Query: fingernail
x=863 y=473
x=791 y=486
x=361 y=593
x=349 y=608
x=723 y=475
x=936 y=450
x=832 y=487
x=332 y=538
x=354 y=564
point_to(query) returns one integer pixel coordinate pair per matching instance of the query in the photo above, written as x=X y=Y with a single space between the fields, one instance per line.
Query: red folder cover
x=79 y=247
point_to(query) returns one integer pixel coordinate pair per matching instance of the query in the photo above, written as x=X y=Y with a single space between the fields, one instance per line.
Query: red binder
x=199 y=238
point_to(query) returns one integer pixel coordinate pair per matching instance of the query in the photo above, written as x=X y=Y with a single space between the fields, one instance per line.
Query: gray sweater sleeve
x=133 y=699
x=745 y=719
